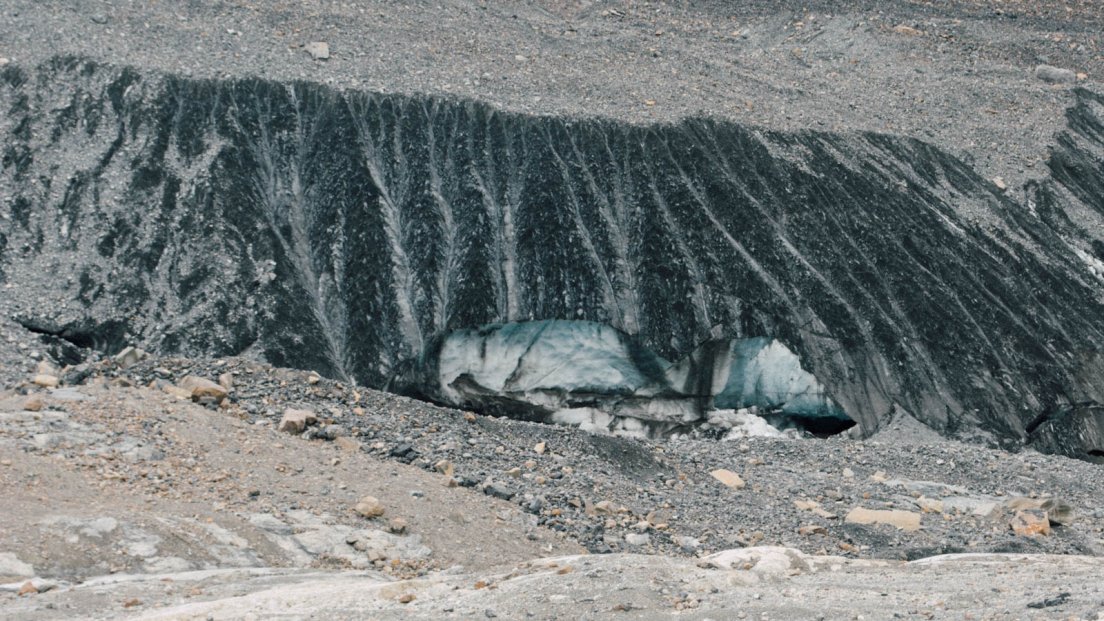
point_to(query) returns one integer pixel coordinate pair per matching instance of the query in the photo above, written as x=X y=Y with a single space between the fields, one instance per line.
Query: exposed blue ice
x=593 y=375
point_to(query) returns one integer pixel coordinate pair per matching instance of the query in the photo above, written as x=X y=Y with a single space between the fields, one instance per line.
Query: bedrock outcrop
x=346 y=231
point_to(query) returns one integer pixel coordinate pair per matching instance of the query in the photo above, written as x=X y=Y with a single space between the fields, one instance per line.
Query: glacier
x=351 y=232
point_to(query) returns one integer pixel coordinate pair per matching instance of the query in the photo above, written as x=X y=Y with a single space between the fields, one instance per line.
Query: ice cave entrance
x=592 y=375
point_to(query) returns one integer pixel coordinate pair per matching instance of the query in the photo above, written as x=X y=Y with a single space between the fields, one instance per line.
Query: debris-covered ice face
x=591 y=375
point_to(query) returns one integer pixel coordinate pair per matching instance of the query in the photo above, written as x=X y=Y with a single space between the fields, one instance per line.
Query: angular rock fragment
x=203 y=390
x=296 y=421
x=318 y=50
x=904 y=520
x=1030 y=523
x=729 y=478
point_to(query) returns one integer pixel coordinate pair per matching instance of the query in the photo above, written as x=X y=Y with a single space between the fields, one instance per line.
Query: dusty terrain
x=127 y=499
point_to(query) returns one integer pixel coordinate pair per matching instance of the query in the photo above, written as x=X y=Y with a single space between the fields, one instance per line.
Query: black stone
x=499 y=491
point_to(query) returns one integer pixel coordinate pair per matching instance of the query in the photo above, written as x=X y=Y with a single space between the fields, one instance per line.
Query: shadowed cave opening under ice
x=591 y=375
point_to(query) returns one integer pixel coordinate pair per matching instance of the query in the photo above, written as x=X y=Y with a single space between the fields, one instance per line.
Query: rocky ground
x=961 y=74
x=144 y=487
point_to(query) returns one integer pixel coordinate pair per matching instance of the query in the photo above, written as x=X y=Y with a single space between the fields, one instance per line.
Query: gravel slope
x=959 y=74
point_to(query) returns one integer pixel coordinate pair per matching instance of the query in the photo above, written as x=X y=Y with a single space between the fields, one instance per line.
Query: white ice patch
x=746 y=424
x=587 y=419
x=598 y=422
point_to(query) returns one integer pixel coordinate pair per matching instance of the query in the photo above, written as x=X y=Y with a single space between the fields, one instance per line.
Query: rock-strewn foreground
x=127 y=496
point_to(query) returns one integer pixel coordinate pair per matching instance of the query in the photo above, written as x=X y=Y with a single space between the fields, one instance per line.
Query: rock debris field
x=175 y=488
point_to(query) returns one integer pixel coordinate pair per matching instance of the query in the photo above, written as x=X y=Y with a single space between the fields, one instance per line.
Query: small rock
x=296 y=421
x=687 y=544
x=605 y=507
x=46 y=381
x=812 y=529
x=539 y=448
x=132 y=602
x=28 y=588
x=33 y=404
x=203 y=389
x=1055 y=75
x=397 y=526
x=929 y=505
x=499 y=491
x=176 y=391
x=445 y=467
x=313 y=378
x=999 y=182
x=904 y=520
x=637 y=539
x=879 y=477
x=45 y=368
x=370 y=507
x=347 y=444
x=729 y=478
x=6 y=61
x=319 y=50
x=406 y=598
x=403 y=452
x=907 y=30
x=128 y=356
x=1030 y=522
x=226 y=380
x=848 y=473
x=99 y=18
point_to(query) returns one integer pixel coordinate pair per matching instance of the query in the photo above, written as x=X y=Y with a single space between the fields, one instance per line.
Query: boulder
x=1055 y=75
x=12 y=567
x=370 y=507
x=319 y=50
x=46 y=381
x=296 y=421
x=203 y=389
x=128 y=356
x=1030 y=523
